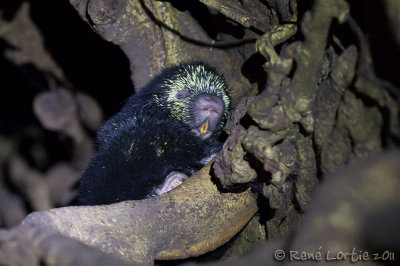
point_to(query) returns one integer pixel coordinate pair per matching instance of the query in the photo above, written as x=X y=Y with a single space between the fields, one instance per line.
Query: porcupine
x=164 y=133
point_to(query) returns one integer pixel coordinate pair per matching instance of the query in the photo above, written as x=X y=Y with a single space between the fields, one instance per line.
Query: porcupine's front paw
x=173 y=180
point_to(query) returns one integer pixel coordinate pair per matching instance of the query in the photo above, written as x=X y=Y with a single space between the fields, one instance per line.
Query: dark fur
x=120 y=171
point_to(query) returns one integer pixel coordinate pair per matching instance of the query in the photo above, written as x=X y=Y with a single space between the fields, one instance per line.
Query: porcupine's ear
x=183 y=94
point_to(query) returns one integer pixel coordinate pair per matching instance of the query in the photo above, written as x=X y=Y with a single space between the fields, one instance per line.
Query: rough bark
x=357 y=207
x=155 y=35
x=194 y=219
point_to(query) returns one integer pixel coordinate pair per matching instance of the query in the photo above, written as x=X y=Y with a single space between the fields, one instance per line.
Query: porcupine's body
x=163 y=134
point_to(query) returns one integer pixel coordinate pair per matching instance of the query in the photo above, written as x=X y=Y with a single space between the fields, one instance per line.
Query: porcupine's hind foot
x=173 y=180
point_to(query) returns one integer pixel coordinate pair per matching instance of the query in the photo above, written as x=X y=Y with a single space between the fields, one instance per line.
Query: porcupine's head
x=197 y=96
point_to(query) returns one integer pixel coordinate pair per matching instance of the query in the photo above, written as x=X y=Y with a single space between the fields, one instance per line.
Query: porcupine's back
x=137 y=161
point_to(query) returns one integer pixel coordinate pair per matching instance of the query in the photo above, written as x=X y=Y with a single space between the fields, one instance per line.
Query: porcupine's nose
x=207 y=112
x=209 y=106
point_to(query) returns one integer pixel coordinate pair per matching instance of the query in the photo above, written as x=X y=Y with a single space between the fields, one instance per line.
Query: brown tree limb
x=193 y=219
x=234 y=11
x=155 y=35
x=31 y=246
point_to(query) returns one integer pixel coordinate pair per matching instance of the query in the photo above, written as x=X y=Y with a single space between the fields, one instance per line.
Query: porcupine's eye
x=183 y=94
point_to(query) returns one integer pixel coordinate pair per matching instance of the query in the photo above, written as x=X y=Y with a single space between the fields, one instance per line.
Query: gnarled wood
x=190 y=220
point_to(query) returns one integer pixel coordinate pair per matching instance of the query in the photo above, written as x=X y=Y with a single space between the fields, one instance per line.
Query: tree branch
x=174 y=226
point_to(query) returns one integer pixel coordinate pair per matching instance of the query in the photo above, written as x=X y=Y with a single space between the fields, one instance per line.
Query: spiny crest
x=198 y=79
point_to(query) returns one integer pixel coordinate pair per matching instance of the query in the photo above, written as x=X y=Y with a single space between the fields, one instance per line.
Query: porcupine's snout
x=207 y=112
